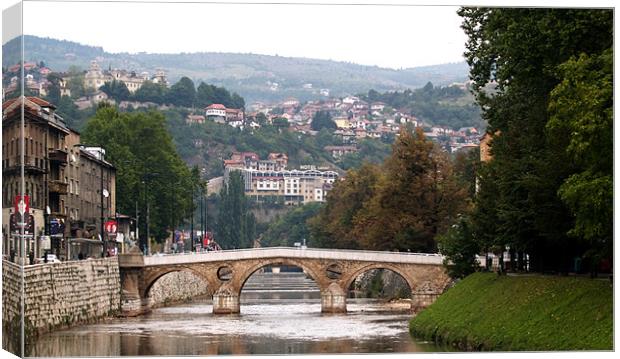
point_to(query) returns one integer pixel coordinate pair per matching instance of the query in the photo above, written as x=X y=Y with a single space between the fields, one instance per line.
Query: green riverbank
x=525 y=312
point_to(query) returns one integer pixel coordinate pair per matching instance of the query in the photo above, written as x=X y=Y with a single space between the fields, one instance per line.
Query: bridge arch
x=151 y=279
x=280 y=261
x=359 y=271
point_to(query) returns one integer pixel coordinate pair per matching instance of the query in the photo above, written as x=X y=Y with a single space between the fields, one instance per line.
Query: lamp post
x=81 y=145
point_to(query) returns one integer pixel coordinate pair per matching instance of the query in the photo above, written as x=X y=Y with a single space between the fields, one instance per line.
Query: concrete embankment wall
x=60 y=294
x=176 y=287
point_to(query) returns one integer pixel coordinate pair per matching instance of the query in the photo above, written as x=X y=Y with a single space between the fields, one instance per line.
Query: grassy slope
x=488 y=312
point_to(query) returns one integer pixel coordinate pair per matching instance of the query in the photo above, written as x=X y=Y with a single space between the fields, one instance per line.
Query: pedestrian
x=31 y=257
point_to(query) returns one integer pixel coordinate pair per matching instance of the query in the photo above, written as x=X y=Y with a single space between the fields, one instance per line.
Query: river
x=272 y=321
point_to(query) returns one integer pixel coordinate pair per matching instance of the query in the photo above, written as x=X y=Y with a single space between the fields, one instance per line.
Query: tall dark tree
x=321 y=120
x=183 y=93
x=519 y=53
x=116 y=90
x=236 y=225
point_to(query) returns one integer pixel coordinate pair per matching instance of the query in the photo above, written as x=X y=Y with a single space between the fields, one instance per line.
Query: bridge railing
x=295 y=252
x=300 y=249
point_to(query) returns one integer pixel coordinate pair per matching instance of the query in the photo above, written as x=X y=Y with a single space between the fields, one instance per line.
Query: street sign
x=22 y=205
x=110 y=226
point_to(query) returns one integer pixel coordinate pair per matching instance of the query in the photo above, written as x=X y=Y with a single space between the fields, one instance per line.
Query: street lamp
x=101 y=192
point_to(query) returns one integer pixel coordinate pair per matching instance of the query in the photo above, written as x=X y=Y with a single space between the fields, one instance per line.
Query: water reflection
x=268 y=327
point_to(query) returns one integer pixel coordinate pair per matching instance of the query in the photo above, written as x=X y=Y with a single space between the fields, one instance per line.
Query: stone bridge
x=226 y=272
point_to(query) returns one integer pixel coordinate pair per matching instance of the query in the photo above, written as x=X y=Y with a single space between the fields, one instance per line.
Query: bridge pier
x=133 y=299
x=226 y=302
x=333 y=299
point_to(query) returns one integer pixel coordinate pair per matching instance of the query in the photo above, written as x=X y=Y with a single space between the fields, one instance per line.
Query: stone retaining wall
x=176 y=287
x=61 y=294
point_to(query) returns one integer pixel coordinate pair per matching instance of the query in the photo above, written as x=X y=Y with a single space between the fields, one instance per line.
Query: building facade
x=95 y=77
x=270 y=178
x=57 y=181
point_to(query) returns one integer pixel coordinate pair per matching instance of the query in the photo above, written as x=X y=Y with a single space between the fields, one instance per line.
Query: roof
x=216 y=106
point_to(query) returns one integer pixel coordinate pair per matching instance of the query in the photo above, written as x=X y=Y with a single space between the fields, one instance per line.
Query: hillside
x=529 y=312
x=255 y=77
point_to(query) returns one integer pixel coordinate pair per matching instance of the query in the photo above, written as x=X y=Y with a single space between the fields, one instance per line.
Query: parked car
x=51 y=258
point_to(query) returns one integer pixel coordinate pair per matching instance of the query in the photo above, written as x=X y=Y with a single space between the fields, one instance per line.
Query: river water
x=292 y=323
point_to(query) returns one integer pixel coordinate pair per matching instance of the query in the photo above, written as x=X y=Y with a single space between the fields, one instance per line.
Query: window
x=77 y=187
x=71 y=186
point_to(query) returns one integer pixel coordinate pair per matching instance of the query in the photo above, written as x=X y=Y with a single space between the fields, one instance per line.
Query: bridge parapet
x=292 y=252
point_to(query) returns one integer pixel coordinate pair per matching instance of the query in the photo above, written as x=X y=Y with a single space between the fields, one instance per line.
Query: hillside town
x=355 y=118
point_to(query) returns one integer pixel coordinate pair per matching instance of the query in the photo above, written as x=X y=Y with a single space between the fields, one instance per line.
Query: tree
x=466 y=166
x=418 y=198
x=520 y=51
x=75 y=82
x=116 y=90
x=182 y=93
x=322 y=119
x=236 y=225
x=147 y=165
x=280 y=122
x=333 y=226
x=210 y=94
x=261 y=119
x=581 y=109
x=151 y=92
x=53 y=90
x=292 y=227
x=460 y=249
x=403 y=204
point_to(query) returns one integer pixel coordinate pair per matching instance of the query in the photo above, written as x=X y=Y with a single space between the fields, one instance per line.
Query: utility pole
x=202 y=221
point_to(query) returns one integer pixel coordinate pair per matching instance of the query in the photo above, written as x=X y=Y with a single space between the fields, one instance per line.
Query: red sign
x=110 y=226
x=22 y=207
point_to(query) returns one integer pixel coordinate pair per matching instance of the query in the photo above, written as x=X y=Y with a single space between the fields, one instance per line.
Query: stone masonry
x=226 y=272
x=176 y=287
x=61 y=294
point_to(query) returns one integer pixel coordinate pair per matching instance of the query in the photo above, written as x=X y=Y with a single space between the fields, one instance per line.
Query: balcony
x=12 y=165
x=59 y=187
x=58 y=156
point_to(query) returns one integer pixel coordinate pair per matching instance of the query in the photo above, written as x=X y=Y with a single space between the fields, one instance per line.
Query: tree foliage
x=321 y=120
x=236 y=225
x=148 y=167
x=291 y=228
x=459 y=248
x=437 y=105
x=116 y=90
x=403 y=204
x=582 y=106
x=182 y=93
x=528 y=193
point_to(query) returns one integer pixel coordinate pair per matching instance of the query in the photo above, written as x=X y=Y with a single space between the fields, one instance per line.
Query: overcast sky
x=386 y=36
x=394 y=36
